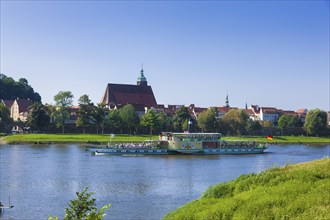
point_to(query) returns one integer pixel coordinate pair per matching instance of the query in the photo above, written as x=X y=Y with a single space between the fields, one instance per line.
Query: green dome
x=142 y=80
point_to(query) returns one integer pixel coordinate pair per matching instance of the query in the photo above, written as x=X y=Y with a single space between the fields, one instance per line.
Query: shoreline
x=260 y=191
x=103 y=139
x=105 y=143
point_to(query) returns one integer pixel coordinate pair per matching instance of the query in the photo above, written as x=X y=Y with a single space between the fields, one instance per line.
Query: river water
x=41 y=179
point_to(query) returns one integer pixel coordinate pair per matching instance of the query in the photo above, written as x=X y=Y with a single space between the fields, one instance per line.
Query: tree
x=38 y=117
x=114 y=120
x=100 y=117
x=85 y=112
x=208 y=120
x=129 y=117
x=180 y=116
x=5 y=119
x=295 y=121
x=253 y=126
x=289 y=121
x=202 y=120
x=11 y=89
x=63 y=100
x=222 y=126
x=316 y=122
x=267 y=123
x=283 y=122
x=236 y=121
x=165 y=122
x=151 y=120
x=83 y=207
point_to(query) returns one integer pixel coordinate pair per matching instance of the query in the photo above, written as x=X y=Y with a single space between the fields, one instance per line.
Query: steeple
x=227 y=101
x=142 y=81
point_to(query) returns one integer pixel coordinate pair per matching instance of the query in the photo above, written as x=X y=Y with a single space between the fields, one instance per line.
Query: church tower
x=142 y=81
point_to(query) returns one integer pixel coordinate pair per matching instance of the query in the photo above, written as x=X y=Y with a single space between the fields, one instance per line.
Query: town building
x=140 y=95
x=19 y=108
x=269 y=114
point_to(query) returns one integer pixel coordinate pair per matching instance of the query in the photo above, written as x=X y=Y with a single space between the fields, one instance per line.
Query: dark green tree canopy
x=236 y=121
x=63 y=100
x=85 y=112
x=100 y=117
x=253 y=125
x=129 y=117
x=5 y=119
x=208 y=120
x=11 y=89
x=180 y=117
x=283 y=122
x=38 y=117
x=4 y=114
x=289 y=121
x=150 y=120
x=165 y=121
x=316 y=122
x=114 y=120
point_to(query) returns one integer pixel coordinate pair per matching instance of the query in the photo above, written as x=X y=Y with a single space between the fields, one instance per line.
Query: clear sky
x=269 y=53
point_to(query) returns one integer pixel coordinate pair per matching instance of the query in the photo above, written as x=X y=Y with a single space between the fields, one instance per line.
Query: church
x=140 y=95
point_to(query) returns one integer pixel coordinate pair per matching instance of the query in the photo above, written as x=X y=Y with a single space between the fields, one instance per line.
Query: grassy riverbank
x=84 y=138
x=284 y=139
x=298 y=191
x=71 y=138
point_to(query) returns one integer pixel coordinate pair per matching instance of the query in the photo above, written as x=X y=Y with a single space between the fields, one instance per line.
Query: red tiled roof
x=8 y=103
x=302 y=111
x=270 y=111
x=224 y=109
x=122 y=94
x=248 y=111
x=199 y=109
x=24 y=104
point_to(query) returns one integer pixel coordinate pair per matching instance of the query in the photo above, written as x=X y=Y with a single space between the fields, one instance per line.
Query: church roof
x=8 y=103
x=24 y=104
x=122 y=94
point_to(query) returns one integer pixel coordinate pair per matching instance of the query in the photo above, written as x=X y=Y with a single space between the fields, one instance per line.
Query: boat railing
x=237 y=144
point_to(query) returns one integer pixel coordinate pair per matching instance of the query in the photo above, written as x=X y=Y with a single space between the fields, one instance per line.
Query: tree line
x=11 y=89
x=99 y=119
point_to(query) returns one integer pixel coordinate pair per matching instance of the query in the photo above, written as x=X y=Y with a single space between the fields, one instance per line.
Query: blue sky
x=273 y=53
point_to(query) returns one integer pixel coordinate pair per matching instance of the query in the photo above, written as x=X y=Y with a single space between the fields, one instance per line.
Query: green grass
x=300 y=191
x=283 y=139
x=83 y=138
x=72 y=138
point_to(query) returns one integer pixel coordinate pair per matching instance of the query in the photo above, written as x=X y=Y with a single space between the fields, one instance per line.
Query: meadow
x=120 y=138
x=283 y=139
x=299 y=191
x=72 y=138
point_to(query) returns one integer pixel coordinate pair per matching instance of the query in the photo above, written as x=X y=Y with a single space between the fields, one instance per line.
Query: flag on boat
x=270 y=137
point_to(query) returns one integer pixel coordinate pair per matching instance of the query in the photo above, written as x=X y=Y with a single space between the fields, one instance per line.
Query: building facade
x=140 y=95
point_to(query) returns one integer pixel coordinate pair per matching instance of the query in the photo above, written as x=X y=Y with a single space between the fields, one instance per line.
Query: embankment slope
x=300 y=191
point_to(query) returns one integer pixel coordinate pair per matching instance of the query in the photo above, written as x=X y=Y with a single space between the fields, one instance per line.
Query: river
x=41 y=179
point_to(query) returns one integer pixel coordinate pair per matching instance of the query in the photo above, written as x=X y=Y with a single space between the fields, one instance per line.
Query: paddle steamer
x=182 y=143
